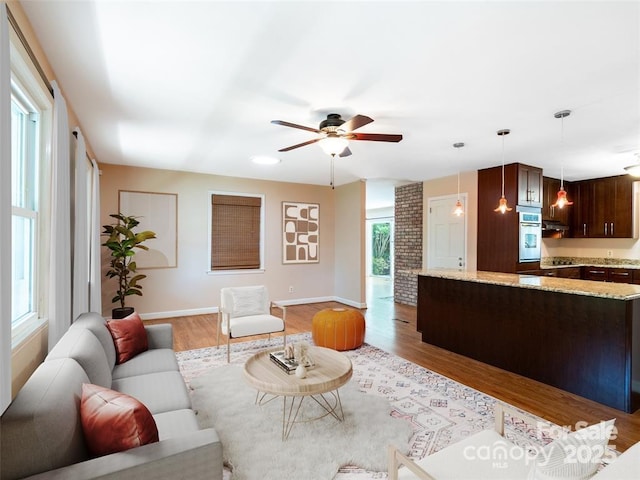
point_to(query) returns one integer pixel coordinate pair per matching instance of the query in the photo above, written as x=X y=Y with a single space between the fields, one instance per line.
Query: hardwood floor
x=392 y=327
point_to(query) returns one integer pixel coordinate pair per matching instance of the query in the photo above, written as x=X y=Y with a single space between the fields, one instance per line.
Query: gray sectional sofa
x=41 y=434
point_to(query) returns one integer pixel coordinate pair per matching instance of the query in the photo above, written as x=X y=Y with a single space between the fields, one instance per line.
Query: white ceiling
x=194 y=85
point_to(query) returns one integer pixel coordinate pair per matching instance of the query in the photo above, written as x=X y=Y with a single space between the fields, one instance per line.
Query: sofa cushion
x=129 y=337
x=160 y=392
x=98 y=325
x=574 y=456
x=113 y=421
x=176 y=423
x=41 y=429
x=83 y=346
x=151 y=361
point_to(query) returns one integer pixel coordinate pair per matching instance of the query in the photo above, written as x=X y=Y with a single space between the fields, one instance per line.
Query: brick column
x=408 y=242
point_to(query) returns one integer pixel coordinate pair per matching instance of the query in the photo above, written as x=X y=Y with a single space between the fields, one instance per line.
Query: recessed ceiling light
x=264 y=160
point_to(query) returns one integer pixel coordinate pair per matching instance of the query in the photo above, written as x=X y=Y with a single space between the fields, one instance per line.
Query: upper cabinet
x=550 y=187
x=529 y=186
x=603 y=208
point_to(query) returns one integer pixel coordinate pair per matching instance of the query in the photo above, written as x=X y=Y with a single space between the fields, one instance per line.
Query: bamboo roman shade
x=235 y=232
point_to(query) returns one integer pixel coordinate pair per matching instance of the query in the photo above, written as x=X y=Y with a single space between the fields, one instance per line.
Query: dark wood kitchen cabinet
x=581 y=209
x=550 y=187
x=559 y=272
x=529 y=185
x=608 y=274
x=603 y=208
x=558 y=333
x=498 y=233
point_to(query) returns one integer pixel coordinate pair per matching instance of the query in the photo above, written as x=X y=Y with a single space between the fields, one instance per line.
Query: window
x=24 y=208
x=31 y=108
x=236 y=232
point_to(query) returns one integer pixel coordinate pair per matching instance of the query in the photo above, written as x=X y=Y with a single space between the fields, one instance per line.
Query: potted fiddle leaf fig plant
x=122 y=241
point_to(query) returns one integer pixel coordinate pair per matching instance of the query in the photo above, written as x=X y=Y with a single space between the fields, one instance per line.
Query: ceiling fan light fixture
x=333 y=145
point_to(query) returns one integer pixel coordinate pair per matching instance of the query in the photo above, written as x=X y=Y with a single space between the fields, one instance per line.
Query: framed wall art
x=157 y=212
x=300 y=232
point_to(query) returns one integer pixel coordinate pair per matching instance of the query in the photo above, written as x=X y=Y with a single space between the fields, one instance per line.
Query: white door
x=447 y=234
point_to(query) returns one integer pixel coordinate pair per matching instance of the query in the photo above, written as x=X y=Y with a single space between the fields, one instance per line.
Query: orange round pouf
x=338 y=328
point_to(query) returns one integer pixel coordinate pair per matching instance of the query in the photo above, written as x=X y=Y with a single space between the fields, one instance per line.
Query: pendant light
x=458 y=210
x=562 y=199
x=502 y=204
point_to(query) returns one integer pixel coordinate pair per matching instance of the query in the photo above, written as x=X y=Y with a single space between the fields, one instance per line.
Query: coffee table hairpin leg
x=290 y=413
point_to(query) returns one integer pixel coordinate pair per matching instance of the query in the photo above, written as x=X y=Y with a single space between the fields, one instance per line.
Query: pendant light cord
x=503 y=165
x=562 y=152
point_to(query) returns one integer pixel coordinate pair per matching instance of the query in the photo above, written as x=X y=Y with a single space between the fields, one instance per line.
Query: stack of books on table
x=289 y=365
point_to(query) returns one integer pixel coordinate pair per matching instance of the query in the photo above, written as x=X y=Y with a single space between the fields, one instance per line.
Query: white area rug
x=439 y=410
x=315 y=450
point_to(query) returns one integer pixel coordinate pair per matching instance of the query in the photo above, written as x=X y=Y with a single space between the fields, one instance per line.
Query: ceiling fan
x=335 y=133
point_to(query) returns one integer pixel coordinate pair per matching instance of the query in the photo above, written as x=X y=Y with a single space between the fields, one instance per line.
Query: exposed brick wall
x=408 y=243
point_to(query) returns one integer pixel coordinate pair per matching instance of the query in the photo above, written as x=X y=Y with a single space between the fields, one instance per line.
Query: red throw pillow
x=129 y=337
x=113 y=421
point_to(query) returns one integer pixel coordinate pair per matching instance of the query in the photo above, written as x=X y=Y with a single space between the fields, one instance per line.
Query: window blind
x=235 y=232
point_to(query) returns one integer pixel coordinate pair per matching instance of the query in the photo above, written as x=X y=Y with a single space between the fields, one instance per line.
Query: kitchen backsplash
x=550 y=261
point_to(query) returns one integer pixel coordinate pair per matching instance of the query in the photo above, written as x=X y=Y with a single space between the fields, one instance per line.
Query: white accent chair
x=489 y=455
x=246 y=311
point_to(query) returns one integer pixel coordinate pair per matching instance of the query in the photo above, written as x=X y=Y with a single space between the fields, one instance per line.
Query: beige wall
x=448 y=186
x=350 y=227
x=190 y=289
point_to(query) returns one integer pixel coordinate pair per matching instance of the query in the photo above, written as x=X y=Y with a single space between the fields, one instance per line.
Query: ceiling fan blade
x=345 y=153
x=294 y=125
x=355 y=122
x=299 y=145
x=375 y=137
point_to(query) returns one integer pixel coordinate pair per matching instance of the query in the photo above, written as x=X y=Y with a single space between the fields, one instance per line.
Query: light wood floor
x=392 y=327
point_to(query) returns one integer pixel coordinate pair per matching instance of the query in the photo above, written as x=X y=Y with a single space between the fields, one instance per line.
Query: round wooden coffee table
x=331 y=371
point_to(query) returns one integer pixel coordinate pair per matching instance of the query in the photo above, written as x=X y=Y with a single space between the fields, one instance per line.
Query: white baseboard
x=351 y=303
x=302 y=301
x=204 y=311
x=178 y=313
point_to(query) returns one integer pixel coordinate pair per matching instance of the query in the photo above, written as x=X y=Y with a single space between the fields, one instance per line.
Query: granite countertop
x=598 y=262
x=618 y=291
x=631 y=266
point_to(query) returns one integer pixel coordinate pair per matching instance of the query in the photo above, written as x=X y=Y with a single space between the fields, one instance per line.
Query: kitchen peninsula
x=578 y=335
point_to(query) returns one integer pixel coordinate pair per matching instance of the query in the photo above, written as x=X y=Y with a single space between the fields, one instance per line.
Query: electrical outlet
x=291 y=289
x=609 y=253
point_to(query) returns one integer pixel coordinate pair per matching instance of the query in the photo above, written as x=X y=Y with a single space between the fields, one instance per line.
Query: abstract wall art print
x=300 y=232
